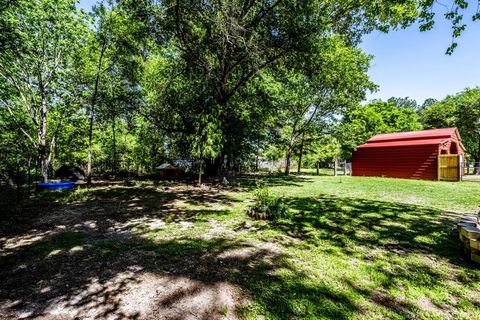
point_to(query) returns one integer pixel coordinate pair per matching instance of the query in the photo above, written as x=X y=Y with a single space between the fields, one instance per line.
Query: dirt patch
x=203 y=286
x=95 y=258
x=148 y=296
x=426 y=304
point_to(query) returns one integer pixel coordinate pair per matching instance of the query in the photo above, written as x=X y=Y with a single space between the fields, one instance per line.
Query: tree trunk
x=200 y=163
x=114 y=147
x=318 y=168
x=289 y=150
x=10 y=178
x=90 y=139
x=287 y=162
x=29 y=178
x=300 y=155
x=213 y=167
x=200 y=172
x=258 y=156
x=18 y=182
x=92 y=115
x=42 y=140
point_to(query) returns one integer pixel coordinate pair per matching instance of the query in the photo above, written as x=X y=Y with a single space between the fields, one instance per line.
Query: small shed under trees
x=168 y=170
x=411 y=155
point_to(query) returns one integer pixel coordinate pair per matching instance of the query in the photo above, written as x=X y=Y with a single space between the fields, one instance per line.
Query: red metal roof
x=415 y=135
x=402 y=143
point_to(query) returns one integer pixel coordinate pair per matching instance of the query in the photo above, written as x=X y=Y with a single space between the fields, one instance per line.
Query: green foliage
x=272 y=205
x=308 y=101
x=404 y=102
x=440 y=115
x=362 y=122
x=454 y=11
x=323 y=150
x=462 y=111
x=42 y=42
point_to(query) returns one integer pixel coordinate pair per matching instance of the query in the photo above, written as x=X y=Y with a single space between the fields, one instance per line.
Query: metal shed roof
x=416 y=135
x=413 y=138
x=166 y=166
x=403 y=143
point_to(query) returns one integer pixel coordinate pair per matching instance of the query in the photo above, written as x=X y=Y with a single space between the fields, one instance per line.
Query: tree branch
x=25 y=133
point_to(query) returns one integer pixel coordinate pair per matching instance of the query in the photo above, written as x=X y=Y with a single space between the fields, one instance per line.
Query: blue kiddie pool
x=62 y=185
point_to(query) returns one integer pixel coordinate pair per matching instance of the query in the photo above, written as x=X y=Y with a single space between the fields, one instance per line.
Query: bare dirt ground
x=136 y=252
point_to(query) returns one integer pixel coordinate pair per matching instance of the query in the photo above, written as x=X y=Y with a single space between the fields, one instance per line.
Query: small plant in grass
x=267 y=206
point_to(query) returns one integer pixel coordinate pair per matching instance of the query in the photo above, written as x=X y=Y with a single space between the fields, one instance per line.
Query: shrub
x=268 y=206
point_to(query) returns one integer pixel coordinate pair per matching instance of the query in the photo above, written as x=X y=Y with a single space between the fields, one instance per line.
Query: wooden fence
x=449 y=167
x=342 y=167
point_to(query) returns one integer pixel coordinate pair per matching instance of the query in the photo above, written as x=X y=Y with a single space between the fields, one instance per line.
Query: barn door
x=449 y=167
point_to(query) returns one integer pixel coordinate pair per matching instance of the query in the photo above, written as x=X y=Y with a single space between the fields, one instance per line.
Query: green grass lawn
x=352 y=248
x=374 y=248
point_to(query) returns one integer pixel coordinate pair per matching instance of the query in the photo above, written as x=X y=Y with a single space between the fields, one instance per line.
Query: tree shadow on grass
x=117 y=203
x=250 y=182
x=71 y=276
x=396 y=227
x=402 y=244
x=87 y=257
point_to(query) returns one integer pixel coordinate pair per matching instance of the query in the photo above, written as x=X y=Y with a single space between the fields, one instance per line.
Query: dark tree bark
x=301 y=154
x=42 y=138
x=287 y=161
x=258 y=154
x=114 y=148
x=200 y=167
x=92 y=114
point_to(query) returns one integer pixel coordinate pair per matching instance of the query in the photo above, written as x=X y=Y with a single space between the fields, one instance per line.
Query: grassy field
x=352 y=248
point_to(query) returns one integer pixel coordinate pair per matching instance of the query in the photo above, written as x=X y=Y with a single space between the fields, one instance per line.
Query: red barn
x=410 y=155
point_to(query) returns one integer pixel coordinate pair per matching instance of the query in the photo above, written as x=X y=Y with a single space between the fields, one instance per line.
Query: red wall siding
x=410 y=162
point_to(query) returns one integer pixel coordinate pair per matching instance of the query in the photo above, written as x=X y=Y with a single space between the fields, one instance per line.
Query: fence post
x=345 y=167
x=335 y=167
x=460 y=167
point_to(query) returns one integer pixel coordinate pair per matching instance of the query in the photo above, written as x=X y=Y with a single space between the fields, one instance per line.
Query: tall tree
x=110 y=68
x=36 y=66
x=306 y=98
x=222 y=46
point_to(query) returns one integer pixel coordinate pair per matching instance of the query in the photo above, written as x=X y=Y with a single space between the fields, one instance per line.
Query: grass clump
x=268 y=206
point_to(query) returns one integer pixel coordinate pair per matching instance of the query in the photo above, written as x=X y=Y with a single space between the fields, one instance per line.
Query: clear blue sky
x=413 y=63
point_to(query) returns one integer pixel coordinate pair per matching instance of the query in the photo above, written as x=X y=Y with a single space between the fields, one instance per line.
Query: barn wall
x=409 y=162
